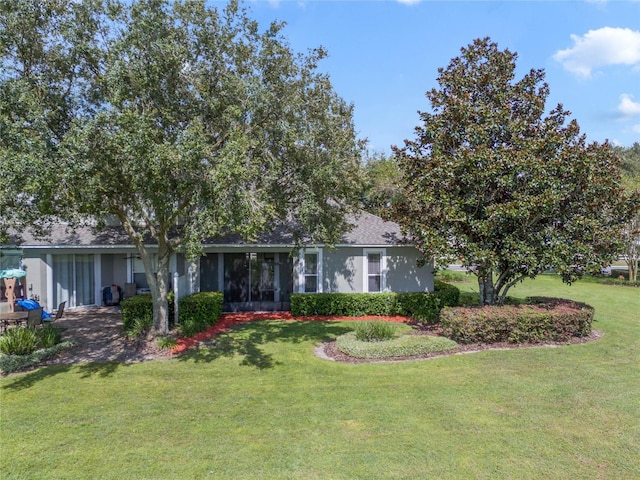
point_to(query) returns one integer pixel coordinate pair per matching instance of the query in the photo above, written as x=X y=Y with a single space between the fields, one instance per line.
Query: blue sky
x=384 y=55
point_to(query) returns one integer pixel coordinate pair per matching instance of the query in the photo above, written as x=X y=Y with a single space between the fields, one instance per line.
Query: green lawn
x=263 y=406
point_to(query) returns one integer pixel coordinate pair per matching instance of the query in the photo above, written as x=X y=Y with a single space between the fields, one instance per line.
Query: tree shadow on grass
x=247 y=341
x=28 y=380
x=85 y=370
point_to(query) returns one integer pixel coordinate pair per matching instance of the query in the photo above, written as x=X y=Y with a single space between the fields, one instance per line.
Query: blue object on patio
x=29 y=304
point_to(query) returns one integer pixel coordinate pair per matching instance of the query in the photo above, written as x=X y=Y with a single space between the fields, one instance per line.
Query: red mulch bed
x=228 y=320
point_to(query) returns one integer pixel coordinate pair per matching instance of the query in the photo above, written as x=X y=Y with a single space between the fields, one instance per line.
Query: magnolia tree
x=631 y=234
x=510 y=191
x=181 y=120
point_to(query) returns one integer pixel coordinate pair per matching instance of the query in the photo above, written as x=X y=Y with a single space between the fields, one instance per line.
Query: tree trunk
x=633 y=269
x=158 y=285
x=160 y=303
x=487 y=290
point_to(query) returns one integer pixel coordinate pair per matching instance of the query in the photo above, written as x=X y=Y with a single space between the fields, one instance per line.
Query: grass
x=258 y=404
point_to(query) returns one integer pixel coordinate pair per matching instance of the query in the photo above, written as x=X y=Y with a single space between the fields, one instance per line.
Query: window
x=310 y=272
x=374 y=271
x=310 y=277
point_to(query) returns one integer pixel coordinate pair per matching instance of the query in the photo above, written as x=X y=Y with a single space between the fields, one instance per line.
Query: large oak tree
x=511 y=191
x=181 y=120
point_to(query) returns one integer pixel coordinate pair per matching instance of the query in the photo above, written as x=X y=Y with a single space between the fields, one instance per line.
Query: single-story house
x=79 y=266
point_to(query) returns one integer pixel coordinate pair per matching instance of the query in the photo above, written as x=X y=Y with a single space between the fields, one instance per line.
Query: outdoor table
x=13 y=317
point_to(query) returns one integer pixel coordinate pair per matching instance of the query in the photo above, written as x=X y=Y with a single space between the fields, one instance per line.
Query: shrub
x=138 y=308
x=48 y=336
x=140 y=327
x=198 y=311
x=166 y=343
x=137 y=311
x=449 y=295
x=19 y=341
x=402 y=346
x=342 y=304
x=421 y=306
x=545 y=320
x=13 y=363
x=374 y=331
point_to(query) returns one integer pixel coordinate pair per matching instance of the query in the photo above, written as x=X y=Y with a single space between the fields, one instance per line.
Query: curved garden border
x=328 y=351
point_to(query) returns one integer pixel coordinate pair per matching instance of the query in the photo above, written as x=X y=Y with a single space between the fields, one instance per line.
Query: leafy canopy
x=180 y=120
x=509 y=191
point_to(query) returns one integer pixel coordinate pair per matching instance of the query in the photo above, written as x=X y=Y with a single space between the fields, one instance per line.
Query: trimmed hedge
x=542 y=320
x=199 y=311
x=137 y=308
x=421 y=306
x=449 y=295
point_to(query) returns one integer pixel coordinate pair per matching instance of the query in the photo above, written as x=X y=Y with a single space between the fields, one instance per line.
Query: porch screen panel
x=84 y=280
x=236 y=277
x=286 y=277
x=209 y=273
x=262 y=277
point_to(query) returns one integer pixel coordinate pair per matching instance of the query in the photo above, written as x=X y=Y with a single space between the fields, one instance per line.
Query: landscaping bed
x=328 y=350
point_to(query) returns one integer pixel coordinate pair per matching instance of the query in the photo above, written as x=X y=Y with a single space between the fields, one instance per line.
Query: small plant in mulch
x=167 y=343
x=374 y=331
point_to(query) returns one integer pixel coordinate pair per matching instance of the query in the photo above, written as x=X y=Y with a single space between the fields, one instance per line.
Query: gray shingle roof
x=368 y=230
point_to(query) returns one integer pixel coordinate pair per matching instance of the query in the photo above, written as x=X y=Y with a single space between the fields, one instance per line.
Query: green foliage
x=14 y=363
x=166 y=343
x=136 y=310
x=402 y=346
x=342 y=304
x=48 y=336
x=449 y=295
x=199 y=311
x=381 y=177
x=374 y=331
x=18 y=341
x=158 y=112
x=491 y=180
x=543 y=320
x=421 y=306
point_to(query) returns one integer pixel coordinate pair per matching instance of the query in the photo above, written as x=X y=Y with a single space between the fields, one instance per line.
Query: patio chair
x=57 y=315
x=34 y=317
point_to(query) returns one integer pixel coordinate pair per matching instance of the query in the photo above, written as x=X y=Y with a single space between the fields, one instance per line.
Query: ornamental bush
x=48 y=336
x=541 y=320
x=198 y=311
x=137 y=312
x=374 y=331
x=421 y=306
x=19 y=341
x=24 y=341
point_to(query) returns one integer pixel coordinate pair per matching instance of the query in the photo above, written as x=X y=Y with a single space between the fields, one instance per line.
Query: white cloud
x=627 y=106
x=409 y=2
x=597 y=48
